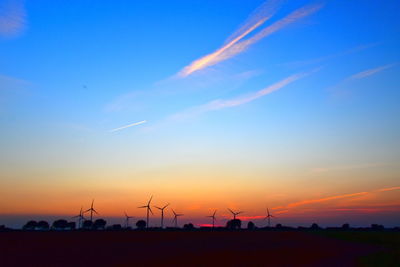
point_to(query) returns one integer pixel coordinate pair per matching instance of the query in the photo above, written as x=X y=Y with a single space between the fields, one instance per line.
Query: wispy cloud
x=235 y=46
x=337 y=197
x=12 y=18
x=370 y=72
x=228 y=103
x=256 y=19
x=127 y=126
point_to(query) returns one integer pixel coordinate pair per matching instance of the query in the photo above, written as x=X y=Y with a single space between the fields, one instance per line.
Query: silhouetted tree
x=116 y=227
x=314 y=226
x=188 y=226
x=234 y=224
x=43 y=225
x=377 y=227
x=278 y=226
x=31 y=225
x=346 y=226
x=141 y=224
x=60 y=224
x=99 y=224
x=87 y=224
x=71 y=225
x=251 y=226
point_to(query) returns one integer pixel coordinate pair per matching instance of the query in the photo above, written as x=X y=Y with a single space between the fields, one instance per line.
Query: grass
x=388 y=241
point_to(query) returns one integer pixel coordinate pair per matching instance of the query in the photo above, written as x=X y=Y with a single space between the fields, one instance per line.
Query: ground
x=199 y=248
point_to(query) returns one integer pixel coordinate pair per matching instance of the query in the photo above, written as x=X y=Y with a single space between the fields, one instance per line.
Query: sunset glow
x=291 y=106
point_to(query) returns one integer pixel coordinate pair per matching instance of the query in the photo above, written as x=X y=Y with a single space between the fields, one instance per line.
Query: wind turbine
x=148 y=209
x=162 y=214
x=91 y=211
x=269 y=216
x=213 y=218
x=127 y=219
x=235 y=213
x=80 y=218
x=176 y=215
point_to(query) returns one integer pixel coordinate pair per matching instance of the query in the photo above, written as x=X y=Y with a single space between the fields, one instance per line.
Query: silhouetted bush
x=99 y=224
x=314 y=226
x=60 y=224
x=250 y=226
x=30 y=225
x=141 y=224
x=346 y=226
x=188 y=226
x=278 y=226
x=377 y=227
x=43 y=225
x=87 y=225
x=234 y=224
x=114 y=227
x=71 y=225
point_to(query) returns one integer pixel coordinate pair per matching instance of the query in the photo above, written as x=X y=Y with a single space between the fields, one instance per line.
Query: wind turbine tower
x=235 y=213
x=80 y=218
x=127 y=220
x=162 y=214
x=148 y=210
x=213 y=218
x=91 y=211
x=176 y=215
x=268 y=216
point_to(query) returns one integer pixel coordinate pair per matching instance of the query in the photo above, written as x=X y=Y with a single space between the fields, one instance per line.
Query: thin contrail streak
x=256 y=19
x=236 y=46
x=127 y=126
x=370 y=72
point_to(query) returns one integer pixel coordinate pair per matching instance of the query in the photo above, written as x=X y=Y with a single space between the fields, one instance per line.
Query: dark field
x=199 y=248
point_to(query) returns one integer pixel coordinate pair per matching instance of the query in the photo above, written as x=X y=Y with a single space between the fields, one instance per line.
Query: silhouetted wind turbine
x=176 y=215
x=213 y=218
x=148 y=209
x=91 y=211
x=162 y=214
x=235 y=213
x=269 y=216
x=80 y=218
x=127 y=219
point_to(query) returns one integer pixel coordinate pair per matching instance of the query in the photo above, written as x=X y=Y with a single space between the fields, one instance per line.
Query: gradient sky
x=291 y=105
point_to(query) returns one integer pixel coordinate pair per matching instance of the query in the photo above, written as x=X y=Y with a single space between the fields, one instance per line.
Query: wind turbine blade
x=231 y=211
x=95 y=211
x=151 y=210
x=142 y=207
x=215 y=212
x=86 y=210
x=166 y=206
x=148 y=203
x=157 y=207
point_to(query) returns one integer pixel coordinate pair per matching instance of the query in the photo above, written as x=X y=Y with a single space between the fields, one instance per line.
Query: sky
x=206 y=105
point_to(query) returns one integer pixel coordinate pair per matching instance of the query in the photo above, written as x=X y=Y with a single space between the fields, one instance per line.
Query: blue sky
x=71 y=71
